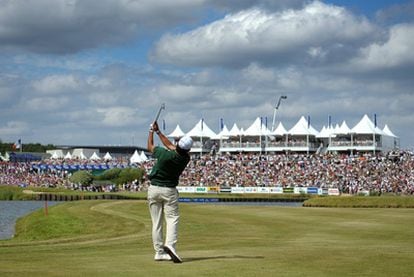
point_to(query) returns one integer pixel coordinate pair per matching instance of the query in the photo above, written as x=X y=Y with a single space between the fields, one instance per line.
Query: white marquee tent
x=201 y=129
x=177 y=133
x=135 y=158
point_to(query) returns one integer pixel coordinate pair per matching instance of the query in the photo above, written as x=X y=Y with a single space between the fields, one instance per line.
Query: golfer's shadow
x=221 y=258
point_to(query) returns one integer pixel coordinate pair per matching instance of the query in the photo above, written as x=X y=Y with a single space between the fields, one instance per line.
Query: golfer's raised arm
x=167 y=143
x=150 y=141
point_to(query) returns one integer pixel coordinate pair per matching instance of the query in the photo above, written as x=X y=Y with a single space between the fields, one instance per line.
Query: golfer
x=162 y=193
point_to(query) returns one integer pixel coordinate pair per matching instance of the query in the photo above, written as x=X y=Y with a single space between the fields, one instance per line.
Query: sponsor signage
x=250 y=190
x=276 y=190
x=333 y=191
x=186 y=189
x=213 y=189
x=225 y=190
x=201 y=190
x=323 y=191
x=312 y=190
x=263 y=190
x=288 y=190
x=198 y=200
x=299 y=190
x=237 y=190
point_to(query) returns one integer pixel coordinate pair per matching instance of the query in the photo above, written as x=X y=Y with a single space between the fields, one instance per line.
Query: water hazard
x=10 y=211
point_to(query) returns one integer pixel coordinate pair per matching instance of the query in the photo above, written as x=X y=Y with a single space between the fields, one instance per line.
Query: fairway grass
x=112 y=238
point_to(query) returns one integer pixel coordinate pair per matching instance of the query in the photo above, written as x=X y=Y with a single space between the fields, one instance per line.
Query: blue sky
x=95 y=72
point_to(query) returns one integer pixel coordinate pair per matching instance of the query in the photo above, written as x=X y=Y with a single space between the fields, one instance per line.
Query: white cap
x=185 y=143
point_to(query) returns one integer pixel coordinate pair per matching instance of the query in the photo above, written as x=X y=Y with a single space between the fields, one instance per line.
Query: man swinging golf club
x=162 y=193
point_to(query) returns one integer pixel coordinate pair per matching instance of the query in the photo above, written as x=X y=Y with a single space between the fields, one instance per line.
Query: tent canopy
x=365 y=126
x=303 y=128
x=177 y=133
x=257 y=129
x=201 y=130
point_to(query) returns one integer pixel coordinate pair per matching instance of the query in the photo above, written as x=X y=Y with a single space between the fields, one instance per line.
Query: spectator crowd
x=351 y=174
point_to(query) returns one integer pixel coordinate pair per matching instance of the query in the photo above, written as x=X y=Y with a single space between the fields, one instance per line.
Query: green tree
x=128 y=175
x=82 y=177
x=109 y=174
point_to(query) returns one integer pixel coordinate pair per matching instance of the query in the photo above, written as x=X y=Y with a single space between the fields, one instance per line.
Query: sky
x=85 y=72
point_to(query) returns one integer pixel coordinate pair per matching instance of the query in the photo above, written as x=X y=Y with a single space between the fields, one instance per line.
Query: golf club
x=159 y=111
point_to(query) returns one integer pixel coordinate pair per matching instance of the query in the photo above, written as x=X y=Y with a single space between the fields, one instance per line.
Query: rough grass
x=112 y=238
x=362 y=202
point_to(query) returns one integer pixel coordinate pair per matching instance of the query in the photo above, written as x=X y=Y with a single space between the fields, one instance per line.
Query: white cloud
x=118 y=116
x=256 y=35
x=46 y=104
x=62 y=26
x=56 y=84
x=14 y=128
x=397 y=51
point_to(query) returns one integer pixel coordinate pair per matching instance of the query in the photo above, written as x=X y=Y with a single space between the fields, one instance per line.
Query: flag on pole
x=221 y=124
x=163 y=125
x=308 y=121
x=202 y=122
x=17 y=144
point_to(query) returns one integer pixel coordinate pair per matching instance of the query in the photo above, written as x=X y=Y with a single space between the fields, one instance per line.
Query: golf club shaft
x=159 y=112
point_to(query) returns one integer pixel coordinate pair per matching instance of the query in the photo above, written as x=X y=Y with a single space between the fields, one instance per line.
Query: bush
x=13 y=193
x=82 y=177
x=129 y=175
x=109 y=174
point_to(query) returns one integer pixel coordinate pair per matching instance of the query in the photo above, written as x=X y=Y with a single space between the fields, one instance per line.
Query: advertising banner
x=225 y=190
x=250 y=190
x=201 y=189
x=213 y=189
x=299 y=190
x=263 y=190
x=288 y=190
x=186 y=189
x=333 y=191
x=312 y=190
x=237 y=190
x=276 y=190
x=323 y=191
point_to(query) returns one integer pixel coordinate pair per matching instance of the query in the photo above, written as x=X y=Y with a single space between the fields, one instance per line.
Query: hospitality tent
x=390 y=141
x=280 y=130
x=143 y=157
x=235 y=131
x=224 y=134
x=177 y=133
x=135 y=158
x=95 y=157
x=68 y=156
x=55 y=154
x=365 y=126
x=343 y=129
x=201 y=129
x=201 y=134
x=257 y=129
x=107 y=157
x=303 y=128
x=302 y=136
x=388 y=132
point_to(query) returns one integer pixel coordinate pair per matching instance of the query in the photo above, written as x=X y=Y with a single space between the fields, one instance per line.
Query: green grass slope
x=112 y=238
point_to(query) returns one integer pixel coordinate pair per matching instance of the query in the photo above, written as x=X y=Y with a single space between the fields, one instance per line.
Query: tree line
x=29 y=147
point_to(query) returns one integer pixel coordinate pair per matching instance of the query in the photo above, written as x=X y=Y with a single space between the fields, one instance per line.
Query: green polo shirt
x=168 y=168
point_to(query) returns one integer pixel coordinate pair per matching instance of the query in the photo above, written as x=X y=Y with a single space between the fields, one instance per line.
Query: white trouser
x=163 y=200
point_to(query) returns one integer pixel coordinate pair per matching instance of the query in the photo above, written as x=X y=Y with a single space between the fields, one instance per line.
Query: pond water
x=10 y=211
